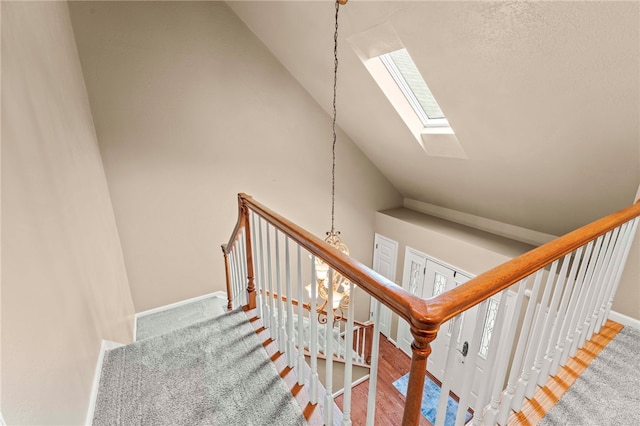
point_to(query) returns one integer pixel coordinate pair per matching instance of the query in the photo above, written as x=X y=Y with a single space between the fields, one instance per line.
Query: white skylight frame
x=436 y=137
x=405 y=87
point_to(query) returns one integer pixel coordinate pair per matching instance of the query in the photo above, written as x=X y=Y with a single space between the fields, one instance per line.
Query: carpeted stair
x=223 y=371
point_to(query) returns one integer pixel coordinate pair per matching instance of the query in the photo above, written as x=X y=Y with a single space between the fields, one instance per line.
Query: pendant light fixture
x=341 y=288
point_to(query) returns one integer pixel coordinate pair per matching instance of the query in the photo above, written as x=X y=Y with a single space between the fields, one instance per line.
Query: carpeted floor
x=177 y=317
x=607 y=393
x=215 y=372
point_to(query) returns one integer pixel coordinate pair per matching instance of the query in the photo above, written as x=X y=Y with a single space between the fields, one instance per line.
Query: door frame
x=385 y=313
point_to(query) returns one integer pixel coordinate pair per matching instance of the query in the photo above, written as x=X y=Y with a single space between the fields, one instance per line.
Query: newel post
x=251 y=285
x=227 y=271
x=421 y=349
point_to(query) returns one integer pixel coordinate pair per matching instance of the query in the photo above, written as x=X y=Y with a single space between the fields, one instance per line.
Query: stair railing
x=362 y=332
x=562 y=294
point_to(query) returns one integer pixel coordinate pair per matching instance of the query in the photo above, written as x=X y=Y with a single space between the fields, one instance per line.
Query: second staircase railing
x=560 y=295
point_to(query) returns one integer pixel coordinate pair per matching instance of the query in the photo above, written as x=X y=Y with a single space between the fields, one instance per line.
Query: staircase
x=225 y=370
x=313 y=413
x=563 y=292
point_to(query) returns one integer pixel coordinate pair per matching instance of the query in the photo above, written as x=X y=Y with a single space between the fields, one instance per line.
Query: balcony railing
x=562 y=294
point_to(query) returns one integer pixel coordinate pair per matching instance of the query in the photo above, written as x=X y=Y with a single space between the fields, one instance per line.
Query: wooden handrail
x=389 y=293
x=423 y=316
x=449 y=304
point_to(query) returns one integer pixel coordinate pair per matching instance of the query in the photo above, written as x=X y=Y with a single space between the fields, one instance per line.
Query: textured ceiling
x=544 y=98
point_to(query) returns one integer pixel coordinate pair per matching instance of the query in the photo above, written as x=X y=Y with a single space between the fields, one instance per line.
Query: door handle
x=465 y=349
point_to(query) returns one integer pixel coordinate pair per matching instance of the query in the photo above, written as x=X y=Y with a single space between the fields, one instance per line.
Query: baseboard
x=393 y=342
x=624 y=320
x=353 y=385
x=2 y=423
x=105 y=346
x=180 y=303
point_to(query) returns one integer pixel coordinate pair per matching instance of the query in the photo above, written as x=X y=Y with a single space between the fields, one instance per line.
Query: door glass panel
x=439 y=283
x=416 y=269
x=489 y=322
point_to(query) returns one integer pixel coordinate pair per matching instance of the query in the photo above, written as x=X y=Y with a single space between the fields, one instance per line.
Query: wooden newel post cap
x=343 y=2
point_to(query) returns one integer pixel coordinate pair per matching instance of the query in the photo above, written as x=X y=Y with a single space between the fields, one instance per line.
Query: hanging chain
x=333 y=151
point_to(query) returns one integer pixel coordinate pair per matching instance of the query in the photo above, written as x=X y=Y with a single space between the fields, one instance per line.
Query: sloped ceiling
x=544 y=98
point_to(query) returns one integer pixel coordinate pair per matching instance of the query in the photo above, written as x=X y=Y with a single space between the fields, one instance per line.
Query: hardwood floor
x=546 y=397
x=392 y=364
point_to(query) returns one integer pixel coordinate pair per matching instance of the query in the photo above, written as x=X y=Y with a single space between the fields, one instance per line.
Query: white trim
x=105 y=345
x=182 y=302
x=2 y=422
x=135 y=328
x=625 y=320
x=513 y=232
x=354 y=384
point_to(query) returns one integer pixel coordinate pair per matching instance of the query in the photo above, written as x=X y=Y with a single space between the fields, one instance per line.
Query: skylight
x=406 y=75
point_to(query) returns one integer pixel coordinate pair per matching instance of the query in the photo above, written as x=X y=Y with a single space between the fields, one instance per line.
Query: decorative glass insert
x=410 y=81
x=487 y=331
x=413 y=277
x=439 y=283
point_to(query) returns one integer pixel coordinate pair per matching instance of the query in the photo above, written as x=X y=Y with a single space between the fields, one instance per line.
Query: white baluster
x=503 y=363
x=359 y=352
x=470 y=366
x=328 y=353
x=282 y=338
x=441 y=412
x=256 y=265
x=265 y=293
x=598 y=282
x=239 y=280
x=373 y=370
x=590 y=284
x=579 y=293
x=540 y=376
x=243 y=268
x=556 y=337
x=301 y=364
x=536 y=336
x=313 y=397
x=514 y=394
x=272 y=308
x=348 y=362
x=291 y=339
x=612 y=275
x=628 y=244
x=605 y=279
x=492 y=356
x=234 y=279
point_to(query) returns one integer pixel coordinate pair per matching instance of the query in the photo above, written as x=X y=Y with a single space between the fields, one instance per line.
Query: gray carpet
x=177 y=317
x=215 y=372
x=608 y=391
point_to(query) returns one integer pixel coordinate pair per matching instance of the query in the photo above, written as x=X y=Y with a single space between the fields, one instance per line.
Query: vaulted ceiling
x=544 y=98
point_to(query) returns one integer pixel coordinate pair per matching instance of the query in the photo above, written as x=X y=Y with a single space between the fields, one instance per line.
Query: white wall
x=190 y=108
x=64 y=285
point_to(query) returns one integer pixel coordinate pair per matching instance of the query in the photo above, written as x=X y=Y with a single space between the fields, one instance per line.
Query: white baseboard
x=624 y=320
x=105 y=346
x=353 y=385
x=2 y=423
x=180 y=303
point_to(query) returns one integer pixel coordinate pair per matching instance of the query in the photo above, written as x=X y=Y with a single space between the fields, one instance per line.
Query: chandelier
x=340 y=285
